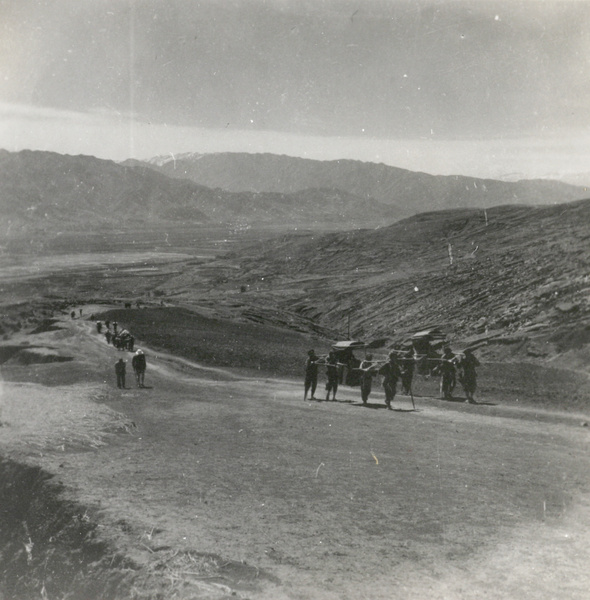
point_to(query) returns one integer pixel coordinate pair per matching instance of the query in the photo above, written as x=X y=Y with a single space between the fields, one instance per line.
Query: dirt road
x=315 y=499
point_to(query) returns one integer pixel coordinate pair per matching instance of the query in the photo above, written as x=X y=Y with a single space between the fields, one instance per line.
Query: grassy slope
x=217 y=342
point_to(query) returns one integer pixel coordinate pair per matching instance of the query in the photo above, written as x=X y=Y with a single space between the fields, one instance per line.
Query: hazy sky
x=474 y=87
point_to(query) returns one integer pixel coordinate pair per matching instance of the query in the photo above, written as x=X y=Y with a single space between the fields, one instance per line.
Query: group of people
x=121 y=340
x=452 y=367
x=139 y=366
x=399 y=367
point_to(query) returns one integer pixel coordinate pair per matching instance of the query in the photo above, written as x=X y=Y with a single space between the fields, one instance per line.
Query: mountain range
x=49 y=192
x=46 y=193
x=409 y=192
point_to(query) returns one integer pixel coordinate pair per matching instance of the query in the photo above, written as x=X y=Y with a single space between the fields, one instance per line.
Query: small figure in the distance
x=311 y=374
x=120 y=370
x=138 y=363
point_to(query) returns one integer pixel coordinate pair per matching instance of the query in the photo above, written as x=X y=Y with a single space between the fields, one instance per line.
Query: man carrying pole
x=391 y=373
x=332 y=376
x=311 y=374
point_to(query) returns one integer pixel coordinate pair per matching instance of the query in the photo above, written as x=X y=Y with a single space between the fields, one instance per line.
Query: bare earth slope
x=518 y=278
x=212 y=484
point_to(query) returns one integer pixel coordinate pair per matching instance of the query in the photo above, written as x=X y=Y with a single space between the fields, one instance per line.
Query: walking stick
x=412 y=397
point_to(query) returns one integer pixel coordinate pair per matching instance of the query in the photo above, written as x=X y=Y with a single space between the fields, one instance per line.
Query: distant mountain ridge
x=45 y=191
x=410 y=192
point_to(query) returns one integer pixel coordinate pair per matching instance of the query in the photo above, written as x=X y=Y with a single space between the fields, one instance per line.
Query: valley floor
x=217 y=484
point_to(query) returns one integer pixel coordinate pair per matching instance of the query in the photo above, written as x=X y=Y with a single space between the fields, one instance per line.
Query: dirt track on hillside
x=314 y=500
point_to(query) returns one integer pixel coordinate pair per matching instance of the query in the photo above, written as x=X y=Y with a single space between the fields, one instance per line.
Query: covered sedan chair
x=349 y=363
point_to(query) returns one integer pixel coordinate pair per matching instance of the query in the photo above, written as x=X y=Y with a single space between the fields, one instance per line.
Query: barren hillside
x=517 y=274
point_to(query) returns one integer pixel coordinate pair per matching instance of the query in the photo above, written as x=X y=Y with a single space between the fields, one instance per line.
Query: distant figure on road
x=332 y=375
x=108 y=335
x=139 y=366
x=391 y=373
x=98 y=327
x=368 y=371
x=115 y=326
x=73 y=314
x=468 y=375
x=311 y=375
x=120 y=369
x=446 y=369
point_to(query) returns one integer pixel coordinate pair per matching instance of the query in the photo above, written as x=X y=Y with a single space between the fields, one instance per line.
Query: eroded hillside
x=516 y=273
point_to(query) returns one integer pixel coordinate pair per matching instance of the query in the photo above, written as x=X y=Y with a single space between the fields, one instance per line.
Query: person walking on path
x=120 y=369
x=332 y=375
x=138 y=363
x=447 y=371
x=407 y=369
x=368 y=371
x=468 y=375
x=391 y=373
x=311 y=375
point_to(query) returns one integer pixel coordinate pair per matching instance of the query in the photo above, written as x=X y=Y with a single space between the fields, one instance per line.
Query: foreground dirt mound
x=49 y=545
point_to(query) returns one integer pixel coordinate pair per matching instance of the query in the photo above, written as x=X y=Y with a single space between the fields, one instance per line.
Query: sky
x=476 y=87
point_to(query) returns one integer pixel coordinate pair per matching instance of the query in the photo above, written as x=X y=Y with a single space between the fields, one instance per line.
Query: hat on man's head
x=139 y=351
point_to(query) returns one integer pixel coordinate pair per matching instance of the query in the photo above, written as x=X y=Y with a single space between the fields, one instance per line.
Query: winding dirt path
x=328 y=500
